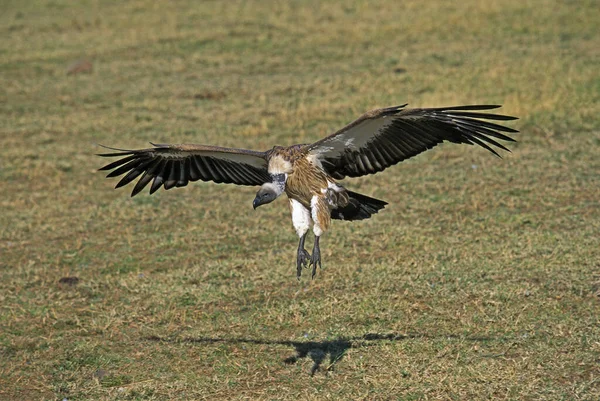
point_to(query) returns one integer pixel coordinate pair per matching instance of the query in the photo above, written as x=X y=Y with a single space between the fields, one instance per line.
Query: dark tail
x=360 y=207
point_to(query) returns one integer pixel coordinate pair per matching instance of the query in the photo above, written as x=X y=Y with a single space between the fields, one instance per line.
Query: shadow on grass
x=317 y=351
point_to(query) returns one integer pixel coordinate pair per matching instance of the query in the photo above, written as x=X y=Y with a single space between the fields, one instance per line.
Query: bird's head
x=267 y=193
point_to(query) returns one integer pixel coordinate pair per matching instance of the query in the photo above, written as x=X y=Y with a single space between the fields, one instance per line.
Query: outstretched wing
x=175 y=165
x=384 y=137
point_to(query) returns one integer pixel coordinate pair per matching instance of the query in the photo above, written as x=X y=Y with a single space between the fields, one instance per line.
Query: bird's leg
x=303 y=256
x=315 y=259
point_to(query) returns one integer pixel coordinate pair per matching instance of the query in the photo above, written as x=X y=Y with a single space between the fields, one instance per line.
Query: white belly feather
x=301 y=218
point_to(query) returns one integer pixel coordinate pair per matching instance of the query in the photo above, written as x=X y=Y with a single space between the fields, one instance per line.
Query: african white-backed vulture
x=308 y=173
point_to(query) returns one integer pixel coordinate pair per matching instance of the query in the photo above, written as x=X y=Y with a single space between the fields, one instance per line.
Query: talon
x=302 y=261
x=314 y=262
x=302 y=258
x=315 y=259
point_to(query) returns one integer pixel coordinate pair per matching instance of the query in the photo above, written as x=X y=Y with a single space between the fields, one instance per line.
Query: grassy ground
x=480 y=280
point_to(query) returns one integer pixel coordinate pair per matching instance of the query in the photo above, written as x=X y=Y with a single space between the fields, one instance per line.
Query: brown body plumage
x=311 y=186
x=307 y=174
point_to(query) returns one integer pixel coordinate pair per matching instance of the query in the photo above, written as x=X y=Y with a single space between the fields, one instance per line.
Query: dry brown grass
x=479 y=281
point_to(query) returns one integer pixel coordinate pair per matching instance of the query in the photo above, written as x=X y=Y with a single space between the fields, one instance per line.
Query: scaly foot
x=315 y=259
x=302 y=261
x=302 y=258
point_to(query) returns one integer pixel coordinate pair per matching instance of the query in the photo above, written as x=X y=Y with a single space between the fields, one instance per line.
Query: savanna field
x=479 y=281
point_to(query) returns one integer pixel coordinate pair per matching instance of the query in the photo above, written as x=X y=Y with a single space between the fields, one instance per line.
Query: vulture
x=309 y=174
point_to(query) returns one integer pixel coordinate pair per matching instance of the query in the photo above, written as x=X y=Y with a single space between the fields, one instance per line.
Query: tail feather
x=359 y=207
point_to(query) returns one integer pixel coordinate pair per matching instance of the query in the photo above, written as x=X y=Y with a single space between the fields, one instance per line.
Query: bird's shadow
x=317 y=351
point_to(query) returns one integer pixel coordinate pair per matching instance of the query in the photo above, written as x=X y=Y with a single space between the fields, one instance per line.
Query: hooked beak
x=264 y=196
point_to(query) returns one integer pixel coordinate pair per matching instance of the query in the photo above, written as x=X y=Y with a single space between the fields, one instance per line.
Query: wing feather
x=193 y=169
x=170 y=179
x=119 y=162
x=172 y=166
x=141 y=184
x=134 y=173
x=158 y=180
x=126 y=167
x=202 y=173
x=166 y=173
x=156 y=184
x=384 y=137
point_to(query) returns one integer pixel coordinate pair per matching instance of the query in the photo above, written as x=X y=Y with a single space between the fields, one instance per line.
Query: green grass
x=480 y=280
